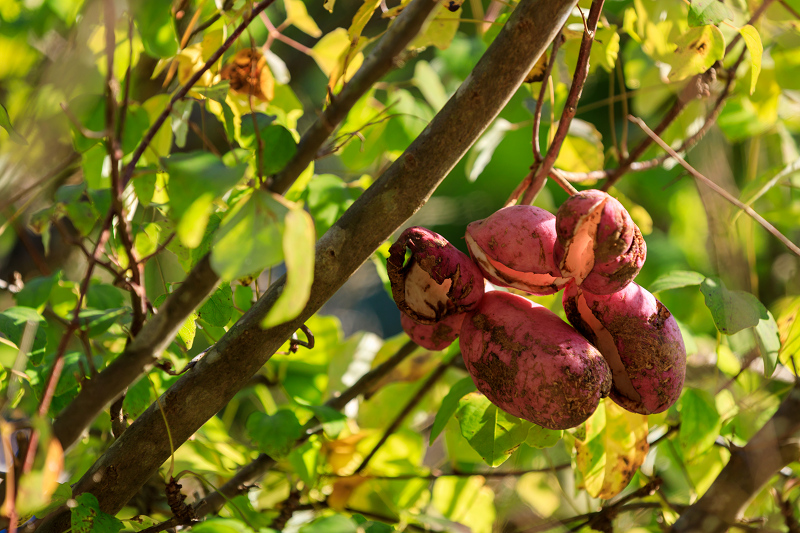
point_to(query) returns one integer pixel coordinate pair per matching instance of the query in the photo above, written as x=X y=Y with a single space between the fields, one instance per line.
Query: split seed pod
x=639 y=339
x=514 y=248
x=530 y=363
x=437 y=336
x=598 y=243
x=436 y=281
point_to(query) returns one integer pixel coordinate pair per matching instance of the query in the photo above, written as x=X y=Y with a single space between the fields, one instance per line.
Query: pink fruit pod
x=598 y=244
x=514 y=248
x=436 y=281
x=530 y=363
x=639 y=339
x=437 y=336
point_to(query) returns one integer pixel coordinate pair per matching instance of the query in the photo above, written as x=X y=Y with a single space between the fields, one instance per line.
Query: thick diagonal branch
x=389 y=202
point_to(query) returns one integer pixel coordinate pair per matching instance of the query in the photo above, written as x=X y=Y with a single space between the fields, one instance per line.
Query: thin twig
x=537 y=113
x=716 y=188
x=183 y=91
x=571 y=105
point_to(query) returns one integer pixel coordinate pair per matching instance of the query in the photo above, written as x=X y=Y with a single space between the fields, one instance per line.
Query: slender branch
x=537 y=113
x=716 y=188
x=183 y=91
x=380 y=61
x=571 y=105
x=412 y=403
x=371 y=219
x=774 y=446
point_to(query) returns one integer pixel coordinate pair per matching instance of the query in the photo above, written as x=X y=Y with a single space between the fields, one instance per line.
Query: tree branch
x=774 y=446
x=388 y=203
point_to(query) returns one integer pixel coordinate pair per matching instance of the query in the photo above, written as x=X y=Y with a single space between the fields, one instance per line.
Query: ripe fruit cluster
x=526 y=360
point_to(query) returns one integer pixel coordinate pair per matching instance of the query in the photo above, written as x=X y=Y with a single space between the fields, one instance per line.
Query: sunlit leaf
x=195 y=179
x=789 y=330
x=14 y=321
x=331 y=524
x=753 y=42
x=696 y=51
x=297 y=14
x=732 y=311
x=614 y=449
x=582 y=150
x=440 y=30
x=702 y=12
x=361 y=18
x=298 y=252
x=450 y=405
x=539 y=437
x=430 y=85
x=769 y=343
x=491 y=432
x=137 y=398
x=218 y=308
x=675 y=280
x=465 y=500
x=700 y=422
x=250 y=238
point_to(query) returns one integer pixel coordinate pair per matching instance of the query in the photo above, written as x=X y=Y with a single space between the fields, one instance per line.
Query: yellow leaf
x=440 y=30
x=330 y=49
x=753 y=42
x=361 y=18
x=297 y=14
x=697 y=50
x=609 y=459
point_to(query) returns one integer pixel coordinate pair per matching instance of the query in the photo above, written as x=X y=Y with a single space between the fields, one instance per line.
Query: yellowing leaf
x=582 y=150
x=361 y=18
x=789 y=331
x=297 y=14
x=753 y=42
x=608 y=459
x=330 y=49
x=440 y=30
x=697 y=50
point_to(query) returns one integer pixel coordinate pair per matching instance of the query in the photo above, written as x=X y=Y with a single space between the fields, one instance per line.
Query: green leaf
x=137 y=398
x=430 y=85
x=440 y=30
x=702 y=12
x=328 y=197
x=333 y=421
x=146 y=241
x=243 y=297
x=218 y=309
x=491 y=432
x=250 y=237
x=675 y=280
x=5 y=123
x=99 y=320
x=789 y=329
x=450 y=404
x=331 y=524
x=222 y=525
x=86 y=516
x=539 y=437
x=456 y=498
x=104 y=296
x=700 y=422
x=304 y=460
x=753 y=42
x=188 y=331
x=696 y=51
x=13 y=322
x=274 y=435
x=36 y=291
x=482 y=153
x=298 y=251
x=154 y=21
x=195 y=180
x=732 y=311
x=297 y=14
x=769 y=343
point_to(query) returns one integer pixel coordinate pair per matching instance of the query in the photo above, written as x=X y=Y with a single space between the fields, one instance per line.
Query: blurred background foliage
x=55 y=185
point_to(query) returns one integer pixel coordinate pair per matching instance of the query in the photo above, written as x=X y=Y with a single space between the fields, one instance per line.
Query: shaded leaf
x=789 y=330
x=5 y=123
x=732 y=311
x=539 y=437
x=13 y=322
x=274 y=435
x=482 y=153
x=769 y=343
x=86 y=516
x=218 y=309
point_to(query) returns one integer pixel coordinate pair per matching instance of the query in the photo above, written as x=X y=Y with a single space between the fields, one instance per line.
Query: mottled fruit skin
x=437 y=281
x=598 y=243
x=639 y=338
x=433 y=337
x=514 y=248
x=530 y=363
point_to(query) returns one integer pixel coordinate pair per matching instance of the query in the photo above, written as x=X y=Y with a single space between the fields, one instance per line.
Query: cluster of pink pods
x=526 y=360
